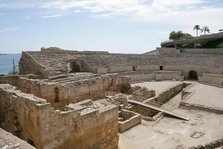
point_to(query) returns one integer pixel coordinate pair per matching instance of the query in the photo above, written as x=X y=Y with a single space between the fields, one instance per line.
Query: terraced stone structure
x=204 y=65
x=71 y=99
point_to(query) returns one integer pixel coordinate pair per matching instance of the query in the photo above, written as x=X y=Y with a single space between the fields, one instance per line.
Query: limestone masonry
x=65 y=99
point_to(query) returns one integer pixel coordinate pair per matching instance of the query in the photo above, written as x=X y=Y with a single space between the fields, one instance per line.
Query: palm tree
x=205 y=29
x=197 y=27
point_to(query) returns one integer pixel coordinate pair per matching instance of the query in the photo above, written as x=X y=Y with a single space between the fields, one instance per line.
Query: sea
x=6 y=62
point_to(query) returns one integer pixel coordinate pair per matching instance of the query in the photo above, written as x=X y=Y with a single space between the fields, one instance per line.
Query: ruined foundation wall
x=59 y=94
x=19 y=114
x=130 y=119
x=34 y=120
x=165 y=96
x=71 y=129
x=38 y=88
x=97 y=87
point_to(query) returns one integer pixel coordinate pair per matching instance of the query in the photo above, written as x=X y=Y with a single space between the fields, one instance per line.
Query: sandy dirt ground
x=170 y=133
x=207 y=95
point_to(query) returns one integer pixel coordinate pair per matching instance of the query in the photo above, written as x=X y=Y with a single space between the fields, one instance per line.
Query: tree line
x=174 y=35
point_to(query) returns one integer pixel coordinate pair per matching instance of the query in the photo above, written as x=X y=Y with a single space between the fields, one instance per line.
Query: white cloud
x=66 y=5
x=52 y=16
x=123 y=6
x=182 y=12
x=10 y=29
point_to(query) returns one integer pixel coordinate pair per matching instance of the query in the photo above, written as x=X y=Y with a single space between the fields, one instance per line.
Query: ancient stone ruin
x=71 y=99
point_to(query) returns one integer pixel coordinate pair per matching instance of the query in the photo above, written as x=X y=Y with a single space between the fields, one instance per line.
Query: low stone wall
x=130 y=119
x=165 y=96
x=155 y=75
x=35 y=121
x=190 y=106
x=211 y=79
x=187 y=92
x=141 y=93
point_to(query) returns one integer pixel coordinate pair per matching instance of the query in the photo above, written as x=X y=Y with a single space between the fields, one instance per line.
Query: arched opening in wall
x=192 y=75
x=75 y=67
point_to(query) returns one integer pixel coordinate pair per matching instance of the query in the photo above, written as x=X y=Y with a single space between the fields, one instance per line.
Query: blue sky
x=117 y=26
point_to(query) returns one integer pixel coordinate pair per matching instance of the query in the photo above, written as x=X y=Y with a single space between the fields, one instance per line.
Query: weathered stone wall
x=168 y=51
x=74 y=90
x=168 y=75
x=165 y=96
x=141 y=77
x=149 y=68
x=155 y=75
x=102 y=62
x=34 y=120
x=19 y=114
x=204 y=51
x=136 y=66
x=211 y=79
x=130 y=119
x=28 y=65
